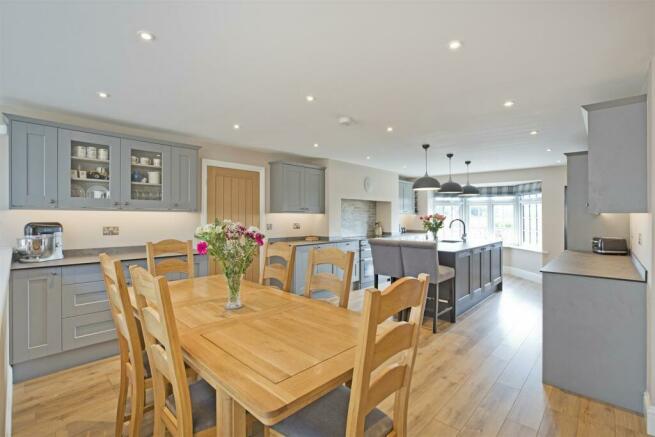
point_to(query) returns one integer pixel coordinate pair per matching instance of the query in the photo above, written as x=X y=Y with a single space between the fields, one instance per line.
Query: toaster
x=609 y=246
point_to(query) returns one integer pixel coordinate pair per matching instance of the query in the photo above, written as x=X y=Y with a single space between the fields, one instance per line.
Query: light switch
x=108 y=231
x=296 y=226
x=269 y=226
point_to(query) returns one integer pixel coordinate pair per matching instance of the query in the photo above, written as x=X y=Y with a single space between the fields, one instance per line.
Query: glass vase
x=233 y=291
x=434 y=236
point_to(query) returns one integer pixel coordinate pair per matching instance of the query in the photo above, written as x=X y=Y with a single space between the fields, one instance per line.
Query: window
x=530 y=220
x=514 y=218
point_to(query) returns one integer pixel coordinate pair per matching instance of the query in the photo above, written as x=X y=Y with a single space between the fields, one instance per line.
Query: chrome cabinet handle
x=117 y=203
x=52 y=201
x=126 y=203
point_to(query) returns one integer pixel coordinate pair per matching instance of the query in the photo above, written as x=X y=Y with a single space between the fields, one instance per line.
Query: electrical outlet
x=269 y=226
x=296 y=226
x=108 y=231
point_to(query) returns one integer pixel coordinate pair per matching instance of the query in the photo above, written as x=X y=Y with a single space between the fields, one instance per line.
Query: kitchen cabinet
x=407 y=199
x=297 y=188
x=89 y=170
x=475 y=273
x=184 y=175
x=87 y=330
x=35 y=313
x=496 y=263
x=302 y=260
x=617 y=135
x=149 y=183
x=61 y=166
x=33 y=169
x=462 y=275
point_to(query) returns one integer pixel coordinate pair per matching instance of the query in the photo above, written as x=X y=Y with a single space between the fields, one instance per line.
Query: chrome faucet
x=463 y=227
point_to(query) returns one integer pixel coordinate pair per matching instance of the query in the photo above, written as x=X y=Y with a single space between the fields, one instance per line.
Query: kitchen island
x=594 y=327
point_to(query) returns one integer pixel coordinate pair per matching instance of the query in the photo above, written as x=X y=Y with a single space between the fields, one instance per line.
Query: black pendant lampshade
x=426 y=183
x=469 y=190
x=450 y=187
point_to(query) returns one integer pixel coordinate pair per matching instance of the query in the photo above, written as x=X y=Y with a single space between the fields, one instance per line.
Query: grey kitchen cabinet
x=184 y=164
x=475 y=274
x=617 y=135
x=83 y=298
x=149 y=183
x=33 y=169
x=88 y=180
x=297 y=188
x=406 y=197
x=300 y=269
x=350 y=246
x=53 y=165
x=36 y=313
x=462 y=275
x=486 y=267
x=496 y=262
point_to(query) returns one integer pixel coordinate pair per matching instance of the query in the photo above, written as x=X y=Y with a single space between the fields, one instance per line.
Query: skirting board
x=649 y=415
x=523 y=274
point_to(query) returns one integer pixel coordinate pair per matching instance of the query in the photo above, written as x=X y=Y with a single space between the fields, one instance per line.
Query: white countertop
x=595 y=265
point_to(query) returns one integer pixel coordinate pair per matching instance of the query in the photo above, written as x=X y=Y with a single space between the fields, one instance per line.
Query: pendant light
x=450 y=187
x=469 y=190
x=426 y=183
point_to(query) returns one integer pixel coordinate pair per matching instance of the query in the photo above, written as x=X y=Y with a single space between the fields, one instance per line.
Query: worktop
x=76 y=257
x=594 y=265
x=446 y=245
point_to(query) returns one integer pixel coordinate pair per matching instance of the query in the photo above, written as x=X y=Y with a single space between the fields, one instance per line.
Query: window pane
x=452 y=211
x=504 y=223
x=478 y=221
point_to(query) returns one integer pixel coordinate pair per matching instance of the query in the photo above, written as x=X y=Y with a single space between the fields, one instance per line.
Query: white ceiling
x=253 y=63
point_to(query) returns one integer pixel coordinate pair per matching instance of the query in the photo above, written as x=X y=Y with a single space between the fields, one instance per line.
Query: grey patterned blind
x=504 y=190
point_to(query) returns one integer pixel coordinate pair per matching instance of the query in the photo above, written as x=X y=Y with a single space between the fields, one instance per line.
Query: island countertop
x=596 y=266
x=447 y=245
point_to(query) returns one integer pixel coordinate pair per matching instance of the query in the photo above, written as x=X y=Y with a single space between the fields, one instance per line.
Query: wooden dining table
x=272 y=357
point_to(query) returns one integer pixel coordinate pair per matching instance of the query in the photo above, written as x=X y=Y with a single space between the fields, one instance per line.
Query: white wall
x=346 y=181
x=83 y=229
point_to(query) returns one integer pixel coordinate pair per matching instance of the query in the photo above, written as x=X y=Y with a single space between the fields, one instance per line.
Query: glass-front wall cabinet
x=91 y=178
x=149 y=167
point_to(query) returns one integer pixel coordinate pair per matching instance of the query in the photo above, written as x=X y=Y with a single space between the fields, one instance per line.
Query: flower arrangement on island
x=432 y=223
x=234 y=246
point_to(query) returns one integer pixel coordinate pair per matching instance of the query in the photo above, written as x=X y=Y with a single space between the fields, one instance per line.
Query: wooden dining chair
x=135 y=369
x=275 y=272
x=388 y=353
x=180 y=408
x=326 y=280
x=170 y=265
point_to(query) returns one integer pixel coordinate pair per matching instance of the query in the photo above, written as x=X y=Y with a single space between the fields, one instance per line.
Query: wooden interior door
x=234 y=194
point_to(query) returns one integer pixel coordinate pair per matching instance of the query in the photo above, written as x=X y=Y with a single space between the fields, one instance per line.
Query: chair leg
x=138 y=401
x=375 y=281
x=436 y=308
x=122 y=401
x=453 y=302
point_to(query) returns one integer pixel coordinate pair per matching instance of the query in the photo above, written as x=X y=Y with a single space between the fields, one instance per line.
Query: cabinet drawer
x=87 y=329
x=84 y=298
x=81 y=273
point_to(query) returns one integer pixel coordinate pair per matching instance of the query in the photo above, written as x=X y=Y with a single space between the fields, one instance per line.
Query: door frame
x=206 y=163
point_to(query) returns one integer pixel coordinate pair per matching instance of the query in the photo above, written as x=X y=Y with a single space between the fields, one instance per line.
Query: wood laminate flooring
x=478 y=377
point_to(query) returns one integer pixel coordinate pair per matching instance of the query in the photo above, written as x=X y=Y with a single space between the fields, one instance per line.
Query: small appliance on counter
x=42 y=242
x=609 y=246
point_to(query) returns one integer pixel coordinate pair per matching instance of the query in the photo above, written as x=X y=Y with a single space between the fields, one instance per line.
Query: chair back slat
x=168 y=265
x=389 y=356
x=163 y=348
x=280 y=273
x=330 y=281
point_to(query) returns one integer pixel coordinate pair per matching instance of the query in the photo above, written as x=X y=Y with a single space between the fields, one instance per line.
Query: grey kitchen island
x=594 y=327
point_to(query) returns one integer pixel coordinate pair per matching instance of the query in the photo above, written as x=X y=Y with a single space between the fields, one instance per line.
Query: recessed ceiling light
x=549 y=150
x=368 y=157
x=389 y=128
x=455 y=45
x=236 y=127
x=145 y=35
x=534 y=132
x=103 y=95
x=315 y=144
x=508 y=103
x=309 y=98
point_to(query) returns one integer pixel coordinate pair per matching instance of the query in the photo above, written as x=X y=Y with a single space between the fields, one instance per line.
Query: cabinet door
x=475 y=284
x=33 y=170
x=496 y=262
x=411 y=200
x=462 y=270
x=89 y=170
x=293 y=178
x=300 y=269
x=313 y=188
x=146 y=175
x=184 y=182
x=486 y=266
x=401 y=197
x=36 y=313
x=201 y=265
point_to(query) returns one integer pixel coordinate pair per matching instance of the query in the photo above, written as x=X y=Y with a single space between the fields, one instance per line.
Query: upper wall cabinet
x=56 y=166
x=407 y=200
x=617 y=155
x=297 y=188
x=33 y=166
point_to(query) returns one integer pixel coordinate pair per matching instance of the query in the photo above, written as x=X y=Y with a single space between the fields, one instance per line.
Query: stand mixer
x=43 y=241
